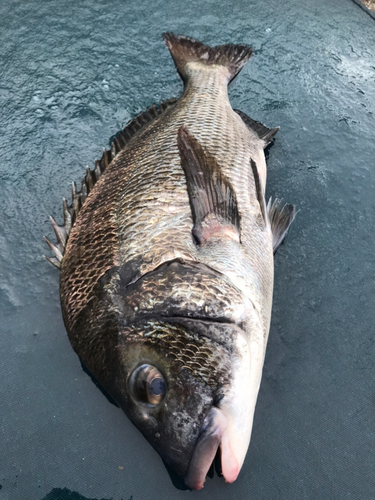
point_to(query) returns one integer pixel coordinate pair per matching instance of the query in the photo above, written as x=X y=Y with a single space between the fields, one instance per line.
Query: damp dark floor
x=72 y=73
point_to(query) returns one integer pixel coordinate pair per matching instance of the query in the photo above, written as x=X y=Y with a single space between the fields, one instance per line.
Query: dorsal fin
x=212 y=198
x=137 y=123
x=119 y=142
x=263 y=132
x=280 y=219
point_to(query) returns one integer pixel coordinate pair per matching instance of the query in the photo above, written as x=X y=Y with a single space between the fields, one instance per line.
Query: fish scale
x=225 y=128
x=166 y=258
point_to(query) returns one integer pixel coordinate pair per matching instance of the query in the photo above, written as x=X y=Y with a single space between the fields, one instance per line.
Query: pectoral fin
x=280 y=219
x=212 y=198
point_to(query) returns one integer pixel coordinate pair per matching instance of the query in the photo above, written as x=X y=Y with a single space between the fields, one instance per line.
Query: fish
x=166 y=259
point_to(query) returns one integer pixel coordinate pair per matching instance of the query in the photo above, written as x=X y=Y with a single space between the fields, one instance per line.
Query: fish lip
x=213 y=435
x=209 y=439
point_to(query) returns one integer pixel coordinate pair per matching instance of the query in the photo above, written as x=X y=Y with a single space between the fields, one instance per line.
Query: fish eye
x=147 y=385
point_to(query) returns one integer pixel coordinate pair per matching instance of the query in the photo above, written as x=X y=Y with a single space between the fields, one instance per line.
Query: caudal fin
x=184 y=50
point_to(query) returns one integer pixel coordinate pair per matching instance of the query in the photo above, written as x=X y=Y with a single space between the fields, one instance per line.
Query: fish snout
x=214 y=434
x=227 y=427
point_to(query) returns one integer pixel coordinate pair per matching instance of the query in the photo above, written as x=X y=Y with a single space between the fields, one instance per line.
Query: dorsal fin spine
x=92 y=176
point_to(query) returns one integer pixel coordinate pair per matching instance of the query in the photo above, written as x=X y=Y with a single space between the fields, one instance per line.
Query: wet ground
x=71 y=75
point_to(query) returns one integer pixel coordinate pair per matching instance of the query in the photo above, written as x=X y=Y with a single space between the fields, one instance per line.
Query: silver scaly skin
x=166 y=258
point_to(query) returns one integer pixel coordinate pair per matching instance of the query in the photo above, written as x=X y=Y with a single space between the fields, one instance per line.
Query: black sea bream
x=166 y=258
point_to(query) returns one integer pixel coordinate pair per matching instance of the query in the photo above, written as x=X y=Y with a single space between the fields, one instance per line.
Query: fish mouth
x=214 y=434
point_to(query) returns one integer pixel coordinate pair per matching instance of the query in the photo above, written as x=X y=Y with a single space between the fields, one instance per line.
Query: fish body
x=166 y=258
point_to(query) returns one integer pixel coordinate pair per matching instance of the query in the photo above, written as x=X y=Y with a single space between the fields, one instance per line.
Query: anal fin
x=280 y=219
x=212 y=198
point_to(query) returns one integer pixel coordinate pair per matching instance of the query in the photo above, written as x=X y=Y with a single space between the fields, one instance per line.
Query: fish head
x=164 y=385
x=185 y=384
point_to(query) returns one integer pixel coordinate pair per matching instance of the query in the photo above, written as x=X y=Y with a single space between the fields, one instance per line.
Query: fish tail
x=185 y=50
